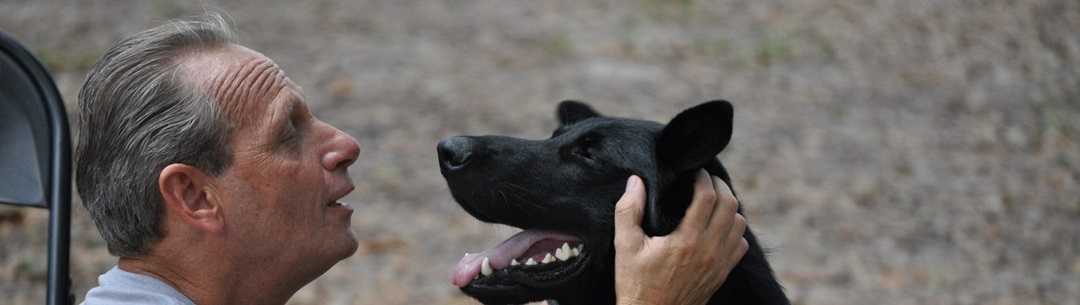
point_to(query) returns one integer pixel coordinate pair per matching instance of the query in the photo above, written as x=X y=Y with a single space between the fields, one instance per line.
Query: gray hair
x=137 y=115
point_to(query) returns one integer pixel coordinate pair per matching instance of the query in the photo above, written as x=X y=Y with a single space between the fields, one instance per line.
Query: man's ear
x=185 y=192
x=569 y=112
x=695 y=136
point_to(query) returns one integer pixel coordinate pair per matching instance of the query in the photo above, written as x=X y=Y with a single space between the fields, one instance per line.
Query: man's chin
x=337 y=249
x=349 y=244
x=337 y=246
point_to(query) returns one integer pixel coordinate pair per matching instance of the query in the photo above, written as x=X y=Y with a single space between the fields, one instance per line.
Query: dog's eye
x=585 y=145
x=589 y=139
x=583 y=152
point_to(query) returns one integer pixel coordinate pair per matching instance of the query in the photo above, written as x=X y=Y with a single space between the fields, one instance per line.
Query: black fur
x=570 y=182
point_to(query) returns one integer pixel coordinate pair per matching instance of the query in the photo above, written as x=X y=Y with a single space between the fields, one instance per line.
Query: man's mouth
x=335 y=201
x=534 y=254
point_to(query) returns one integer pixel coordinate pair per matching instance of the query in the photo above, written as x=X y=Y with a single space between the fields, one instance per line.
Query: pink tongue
x=500 y=256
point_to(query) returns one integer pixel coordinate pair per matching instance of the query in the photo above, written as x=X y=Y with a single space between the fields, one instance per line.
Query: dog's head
x=562 y=192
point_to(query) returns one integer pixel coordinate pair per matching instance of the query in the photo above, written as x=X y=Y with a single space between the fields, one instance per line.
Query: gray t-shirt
x=122 y=287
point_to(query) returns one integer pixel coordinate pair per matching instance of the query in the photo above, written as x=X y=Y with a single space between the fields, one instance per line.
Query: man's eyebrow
x=284 y=122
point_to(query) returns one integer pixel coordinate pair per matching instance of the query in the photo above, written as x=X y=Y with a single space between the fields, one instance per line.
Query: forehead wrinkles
x=246 y=85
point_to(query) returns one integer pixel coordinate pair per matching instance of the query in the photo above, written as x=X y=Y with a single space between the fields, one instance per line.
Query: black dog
x=562 y=192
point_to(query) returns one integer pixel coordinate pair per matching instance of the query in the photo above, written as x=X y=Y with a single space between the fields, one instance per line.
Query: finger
x=628 y=213
x=744 y=246
x=737 y=228
x=734 y=241
x=702 y=205
x=727 y=207
x=737 y=252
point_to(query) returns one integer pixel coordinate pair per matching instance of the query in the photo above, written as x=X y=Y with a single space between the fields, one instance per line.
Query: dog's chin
x=522 y=283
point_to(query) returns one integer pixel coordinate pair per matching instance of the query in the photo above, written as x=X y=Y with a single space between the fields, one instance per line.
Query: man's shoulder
x=121 y=287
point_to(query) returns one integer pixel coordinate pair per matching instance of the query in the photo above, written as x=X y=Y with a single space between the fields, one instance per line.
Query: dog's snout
x=455 y=153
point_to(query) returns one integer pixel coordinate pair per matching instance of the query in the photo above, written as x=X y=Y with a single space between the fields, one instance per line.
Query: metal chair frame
x=32 y=103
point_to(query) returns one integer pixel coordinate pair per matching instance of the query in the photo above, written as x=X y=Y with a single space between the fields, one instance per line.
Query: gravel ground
x=888 y=152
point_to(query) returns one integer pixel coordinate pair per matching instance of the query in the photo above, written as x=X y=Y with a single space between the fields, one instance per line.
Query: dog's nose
x=455 y=152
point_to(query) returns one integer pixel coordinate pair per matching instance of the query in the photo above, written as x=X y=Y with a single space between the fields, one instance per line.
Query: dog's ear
x=689 y=142
x=570 y=112
x=695 y=136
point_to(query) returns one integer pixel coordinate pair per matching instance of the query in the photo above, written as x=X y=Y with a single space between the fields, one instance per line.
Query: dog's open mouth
x=534 y=257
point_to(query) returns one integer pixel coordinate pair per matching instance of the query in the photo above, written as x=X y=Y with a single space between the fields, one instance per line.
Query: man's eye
x=288 y=136
x=289 y=133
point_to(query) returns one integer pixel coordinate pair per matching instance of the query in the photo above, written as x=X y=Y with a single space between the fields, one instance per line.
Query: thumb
x=628 y=213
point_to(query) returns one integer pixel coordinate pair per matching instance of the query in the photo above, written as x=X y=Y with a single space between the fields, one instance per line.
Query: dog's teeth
x=561 y=254
x=575 y=252
x=514 y=262
x=548 y=258
x=485 y=267
x=530 y=262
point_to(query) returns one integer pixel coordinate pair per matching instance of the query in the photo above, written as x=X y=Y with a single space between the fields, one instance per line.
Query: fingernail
x=632 y=183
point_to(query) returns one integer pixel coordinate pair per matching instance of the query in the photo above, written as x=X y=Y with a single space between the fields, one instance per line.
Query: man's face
x=289 y=169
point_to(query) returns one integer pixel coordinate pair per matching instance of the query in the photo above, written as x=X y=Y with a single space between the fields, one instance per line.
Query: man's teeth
x=563 y=253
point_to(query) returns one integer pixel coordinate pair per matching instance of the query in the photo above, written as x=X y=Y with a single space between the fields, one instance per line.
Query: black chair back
x=35 y=154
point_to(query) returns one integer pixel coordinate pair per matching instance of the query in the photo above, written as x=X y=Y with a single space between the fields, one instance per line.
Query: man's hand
x=686 y=266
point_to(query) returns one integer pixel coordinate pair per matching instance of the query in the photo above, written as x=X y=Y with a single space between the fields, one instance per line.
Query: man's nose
x=343 y=152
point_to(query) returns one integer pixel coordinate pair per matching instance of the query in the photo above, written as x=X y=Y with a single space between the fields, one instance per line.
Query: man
x=208 y=176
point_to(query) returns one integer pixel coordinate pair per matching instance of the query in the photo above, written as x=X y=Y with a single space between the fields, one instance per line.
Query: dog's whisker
x=505 y=200
x=525 y=198
x=517 y=186
x=492 y=192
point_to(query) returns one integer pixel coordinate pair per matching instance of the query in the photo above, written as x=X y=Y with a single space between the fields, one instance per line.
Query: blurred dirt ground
x=889 y=152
